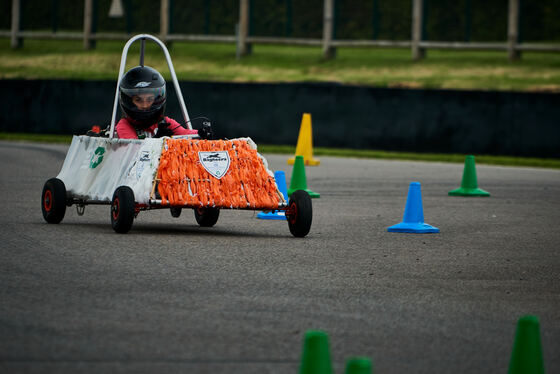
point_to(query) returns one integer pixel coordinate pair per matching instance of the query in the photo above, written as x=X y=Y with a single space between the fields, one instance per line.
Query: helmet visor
x=144 y=98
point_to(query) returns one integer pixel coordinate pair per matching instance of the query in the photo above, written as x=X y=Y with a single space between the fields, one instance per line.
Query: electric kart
x=170 y=172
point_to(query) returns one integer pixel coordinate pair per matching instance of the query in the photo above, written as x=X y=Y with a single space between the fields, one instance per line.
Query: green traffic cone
x=316 y=358
x=469 y=184
x=299 y=181
x=526 y=357
x=358 y=365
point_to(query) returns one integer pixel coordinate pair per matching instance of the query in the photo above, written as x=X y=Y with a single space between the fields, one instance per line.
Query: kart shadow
x=173 y=229
x=182 y=229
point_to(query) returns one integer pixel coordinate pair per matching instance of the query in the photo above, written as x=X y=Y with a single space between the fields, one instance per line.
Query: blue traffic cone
x=413 y=220
x=280 y=178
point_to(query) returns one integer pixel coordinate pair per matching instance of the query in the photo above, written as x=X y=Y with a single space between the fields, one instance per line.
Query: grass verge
x=339 y=152
x=39 y=138
x=379 y=67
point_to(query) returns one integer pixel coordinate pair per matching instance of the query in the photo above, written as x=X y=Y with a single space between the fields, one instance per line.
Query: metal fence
x=244 y=39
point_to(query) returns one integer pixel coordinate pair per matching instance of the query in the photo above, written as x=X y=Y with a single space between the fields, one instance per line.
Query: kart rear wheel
x=206 y=217
x=299 y=213
x=122 y=209
x=53 y=200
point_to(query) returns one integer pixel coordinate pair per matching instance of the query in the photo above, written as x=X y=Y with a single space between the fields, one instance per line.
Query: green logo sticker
x=97 y=157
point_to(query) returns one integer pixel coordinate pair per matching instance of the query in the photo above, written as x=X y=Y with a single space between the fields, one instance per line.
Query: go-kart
x=169 y=172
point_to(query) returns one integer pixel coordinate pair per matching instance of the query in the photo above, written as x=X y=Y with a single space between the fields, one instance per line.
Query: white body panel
x=95 y=167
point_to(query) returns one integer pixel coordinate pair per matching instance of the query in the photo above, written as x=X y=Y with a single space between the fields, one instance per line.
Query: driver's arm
x=177 y=128
x=125 y=130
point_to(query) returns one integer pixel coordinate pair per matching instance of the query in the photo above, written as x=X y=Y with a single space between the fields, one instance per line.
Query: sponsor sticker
x=142 y=161
x=216 y=163
x=97 y=157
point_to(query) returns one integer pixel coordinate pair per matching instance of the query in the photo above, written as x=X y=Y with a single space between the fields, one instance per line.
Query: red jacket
x=125 y=129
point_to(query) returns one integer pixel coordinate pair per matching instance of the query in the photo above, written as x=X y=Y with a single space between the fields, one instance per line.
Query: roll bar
x=143 y=37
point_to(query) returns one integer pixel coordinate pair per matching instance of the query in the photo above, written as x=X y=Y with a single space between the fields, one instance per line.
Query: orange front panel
x=183 y=180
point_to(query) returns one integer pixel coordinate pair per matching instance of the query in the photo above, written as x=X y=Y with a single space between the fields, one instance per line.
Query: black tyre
x=53 y=200
x=122 y=209
x=175 y=211
x=206 y=217
x=299 y=213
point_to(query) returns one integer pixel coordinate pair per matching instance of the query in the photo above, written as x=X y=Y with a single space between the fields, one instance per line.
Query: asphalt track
x=172 y=297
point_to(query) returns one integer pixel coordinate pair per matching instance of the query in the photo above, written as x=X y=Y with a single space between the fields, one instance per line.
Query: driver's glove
x=205 y=132
x=163 y=130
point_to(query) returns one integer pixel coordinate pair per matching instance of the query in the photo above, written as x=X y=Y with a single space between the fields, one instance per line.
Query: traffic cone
x=358 y=365
x=527 y=356
x=316 y=358
x=413 y=219
x=469 y=184
x=304 y=145
x=280 y=178
x=299 y=181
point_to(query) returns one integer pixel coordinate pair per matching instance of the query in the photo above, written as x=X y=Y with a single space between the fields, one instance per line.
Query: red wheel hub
x=47 y=200
x=291 y=213
x=115 y=209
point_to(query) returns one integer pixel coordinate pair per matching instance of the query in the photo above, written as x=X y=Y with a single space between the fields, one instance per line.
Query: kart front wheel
x=122 y=209
x=206 y=217
x=299 y=213
x=53 y=200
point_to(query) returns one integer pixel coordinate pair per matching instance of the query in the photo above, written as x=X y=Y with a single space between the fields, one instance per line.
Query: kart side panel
x=95 y=167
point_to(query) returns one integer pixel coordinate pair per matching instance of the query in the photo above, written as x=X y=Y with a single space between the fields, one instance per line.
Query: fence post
x=16 y=41
x=418 y=53
x=88 y=22
x=164 y=20
x=513 y=30
x=243 y=47
x=328 y=11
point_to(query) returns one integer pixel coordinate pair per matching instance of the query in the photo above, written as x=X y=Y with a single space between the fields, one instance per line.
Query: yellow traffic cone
x=304 y=145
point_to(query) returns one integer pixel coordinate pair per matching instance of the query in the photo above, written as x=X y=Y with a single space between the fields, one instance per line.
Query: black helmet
x=142 y=96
